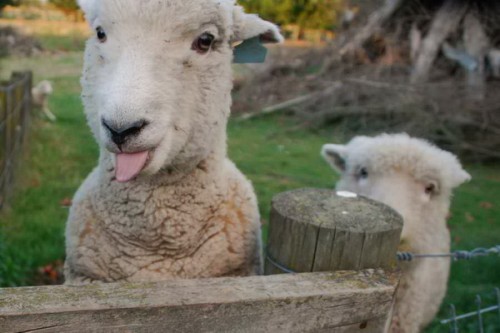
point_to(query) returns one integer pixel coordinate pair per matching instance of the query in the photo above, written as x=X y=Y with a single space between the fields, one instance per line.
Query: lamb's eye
x=203 y=43
x=363 y=173
x=101 y=34
x=430 y=189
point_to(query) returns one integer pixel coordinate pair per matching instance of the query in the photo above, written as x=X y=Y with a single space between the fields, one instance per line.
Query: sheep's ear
x=89 y=8
x=248 y=26
x=461 y=176
x=336 y=156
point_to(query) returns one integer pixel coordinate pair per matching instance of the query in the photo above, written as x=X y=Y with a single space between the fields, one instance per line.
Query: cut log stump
x=322 y=230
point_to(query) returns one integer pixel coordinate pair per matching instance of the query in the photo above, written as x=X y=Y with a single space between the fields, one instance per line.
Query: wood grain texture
x=320 y=302
x=317 y=230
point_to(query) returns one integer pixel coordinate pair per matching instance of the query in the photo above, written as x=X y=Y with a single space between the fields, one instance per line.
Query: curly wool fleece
x=181 y=208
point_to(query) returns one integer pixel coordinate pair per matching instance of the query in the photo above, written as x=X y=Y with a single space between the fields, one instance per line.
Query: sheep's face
x=157 y=78
x=409 y=175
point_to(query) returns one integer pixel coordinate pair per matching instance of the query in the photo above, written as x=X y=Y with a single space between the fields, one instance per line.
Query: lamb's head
x=157 y=79
x=410 y=175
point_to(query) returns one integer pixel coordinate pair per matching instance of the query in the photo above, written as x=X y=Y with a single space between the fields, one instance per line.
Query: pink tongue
x=128 y=166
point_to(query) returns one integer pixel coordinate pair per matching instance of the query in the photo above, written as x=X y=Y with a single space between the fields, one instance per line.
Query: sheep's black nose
x=120 y=134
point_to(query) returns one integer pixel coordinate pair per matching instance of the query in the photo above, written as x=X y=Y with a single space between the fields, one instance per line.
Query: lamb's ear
x=89 y=8
x=247 y=26
x=336 y=156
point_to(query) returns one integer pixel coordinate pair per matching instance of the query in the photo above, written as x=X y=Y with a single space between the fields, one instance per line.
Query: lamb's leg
x=47 y=112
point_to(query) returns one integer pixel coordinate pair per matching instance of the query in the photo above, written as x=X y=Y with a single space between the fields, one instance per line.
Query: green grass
x=58 y=157
x=272 y=151
x=69 y=43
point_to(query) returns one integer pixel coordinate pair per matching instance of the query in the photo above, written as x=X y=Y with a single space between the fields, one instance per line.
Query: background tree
x=314 y=14
x=4 y=3
x=69 y=7
x=65 y=5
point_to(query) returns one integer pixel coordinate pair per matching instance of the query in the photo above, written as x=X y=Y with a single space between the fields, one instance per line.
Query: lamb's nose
x=120 y=134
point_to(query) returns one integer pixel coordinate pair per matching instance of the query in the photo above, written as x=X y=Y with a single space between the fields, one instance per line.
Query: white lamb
x=416 y=179
x=164 y=201
x=41 y=93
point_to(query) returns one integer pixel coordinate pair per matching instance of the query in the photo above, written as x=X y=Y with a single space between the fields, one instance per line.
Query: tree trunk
x=415 y=42
x=445 y=22
x=476 y=44
x=375 y=22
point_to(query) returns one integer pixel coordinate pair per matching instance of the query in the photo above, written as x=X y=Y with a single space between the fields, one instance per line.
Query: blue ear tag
x=251 y=51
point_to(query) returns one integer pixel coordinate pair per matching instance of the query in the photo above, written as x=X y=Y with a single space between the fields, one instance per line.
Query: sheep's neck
x=424 y=232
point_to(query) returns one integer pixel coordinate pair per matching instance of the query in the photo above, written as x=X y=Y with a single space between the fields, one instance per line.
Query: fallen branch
x=380 y=85
x=293 y=102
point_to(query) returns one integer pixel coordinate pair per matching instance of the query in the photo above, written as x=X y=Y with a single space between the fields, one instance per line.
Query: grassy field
x=274 y=153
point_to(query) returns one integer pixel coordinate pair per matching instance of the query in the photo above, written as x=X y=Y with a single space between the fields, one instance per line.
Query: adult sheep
x=416 y=179
x=164 y=201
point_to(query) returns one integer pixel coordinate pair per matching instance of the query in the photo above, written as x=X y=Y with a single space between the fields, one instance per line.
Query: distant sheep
x=416 y=179
x=164 y=201
x=41 y=93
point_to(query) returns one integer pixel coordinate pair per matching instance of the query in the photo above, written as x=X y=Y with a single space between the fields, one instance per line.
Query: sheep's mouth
x=130 y=165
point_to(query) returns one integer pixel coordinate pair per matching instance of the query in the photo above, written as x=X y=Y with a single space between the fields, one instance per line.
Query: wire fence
x=15 y=108
x=409 y=256
x=480 y=326
x=455 y=319
x=457 y=255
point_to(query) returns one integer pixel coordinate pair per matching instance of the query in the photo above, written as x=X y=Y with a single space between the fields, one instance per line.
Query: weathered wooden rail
x=310 y=231
x=15 y=107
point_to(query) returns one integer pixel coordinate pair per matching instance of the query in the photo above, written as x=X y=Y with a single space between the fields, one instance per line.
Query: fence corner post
x=314 y=230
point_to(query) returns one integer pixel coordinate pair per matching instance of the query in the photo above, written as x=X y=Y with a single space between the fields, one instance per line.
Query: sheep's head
x=157 y=78
x=408 y=174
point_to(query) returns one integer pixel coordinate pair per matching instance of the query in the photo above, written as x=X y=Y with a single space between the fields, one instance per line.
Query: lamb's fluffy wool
x=415 y=178
x=190 y=213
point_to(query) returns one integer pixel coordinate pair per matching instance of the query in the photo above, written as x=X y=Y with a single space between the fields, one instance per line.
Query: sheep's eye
x=430 y=189
x=204 y=43
x=363 y=173
x=101 y=35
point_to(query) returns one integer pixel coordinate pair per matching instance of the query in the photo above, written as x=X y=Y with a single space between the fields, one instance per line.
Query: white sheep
x=164 y=201
x=41 y=93
x=416 y=179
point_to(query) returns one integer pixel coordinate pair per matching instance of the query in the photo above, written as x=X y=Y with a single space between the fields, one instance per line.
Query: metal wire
x=479 y=314
x=408 y=257
x=454 y=321
x=276 y=264
x=457 y=255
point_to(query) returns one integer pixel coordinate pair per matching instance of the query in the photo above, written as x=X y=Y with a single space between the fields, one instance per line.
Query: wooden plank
x=333 y=302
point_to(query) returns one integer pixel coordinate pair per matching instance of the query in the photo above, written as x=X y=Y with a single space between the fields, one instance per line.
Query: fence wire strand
x=457 y=255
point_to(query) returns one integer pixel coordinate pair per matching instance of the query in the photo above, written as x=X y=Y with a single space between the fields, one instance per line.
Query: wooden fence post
x=15 y=107
x=322 y=230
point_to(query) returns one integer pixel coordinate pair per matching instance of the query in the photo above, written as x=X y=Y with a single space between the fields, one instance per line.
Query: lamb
x=40 y=94
x=416 y=179
x=164 y=202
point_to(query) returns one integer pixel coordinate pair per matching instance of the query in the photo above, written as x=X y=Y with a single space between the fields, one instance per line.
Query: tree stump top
x=336 y=210
x=322 y=230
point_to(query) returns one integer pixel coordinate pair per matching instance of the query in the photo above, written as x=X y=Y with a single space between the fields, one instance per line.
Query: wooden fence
x=311 y=231
x=15 y=108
